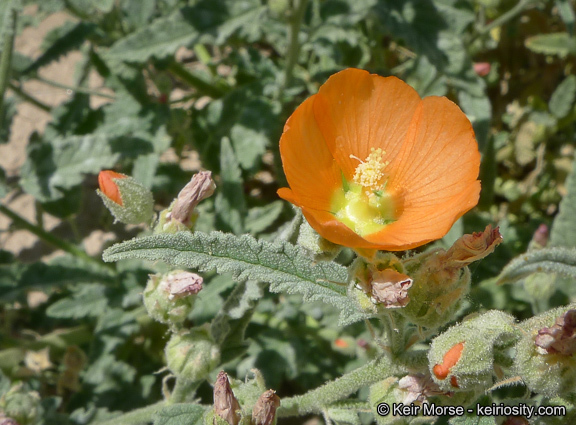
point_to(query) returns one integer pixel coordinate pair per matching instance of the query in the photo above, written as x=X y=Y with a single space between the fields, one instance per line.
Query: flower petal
x=310 y=169
x=357 y=111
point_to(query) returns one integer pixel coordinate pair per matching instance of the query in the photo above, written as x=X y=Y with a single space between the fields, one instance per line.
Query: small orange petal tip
x=108 y=187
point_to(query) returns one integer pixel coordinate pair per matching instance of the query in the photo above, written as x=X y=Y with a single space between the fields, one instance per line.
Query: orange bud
x=451 y=357
x=340 y=343
x=108 y=187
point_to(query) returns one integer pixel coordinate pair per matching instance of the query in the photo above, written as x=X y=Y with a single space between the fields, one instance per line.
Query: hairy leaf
x=559 y=43
x=286 y=267
x=230 y=203
x=87 y=301
x=65 y=43
x=563 y=97
x=259 y=218
x=548 y=260
x=563 y=231
x=180 y=414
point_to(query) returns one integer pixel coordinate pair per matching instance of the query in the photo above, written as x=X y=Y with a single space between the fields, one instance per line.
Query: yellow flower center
x=363 y=204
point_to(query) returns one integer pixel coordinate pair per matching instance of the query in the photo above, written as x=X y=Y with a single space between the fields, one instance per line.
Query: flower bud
x=482 y=69
x=169 y=298
x=181 y=215
x=545 y=354
x=264 y=411
x=418 y=387
x=441 y=278
x=21 y=406
x=225 y=404
x=463 y=357
x=127 y=200
x=192 y=355
x=382 y=279
x=321 y=249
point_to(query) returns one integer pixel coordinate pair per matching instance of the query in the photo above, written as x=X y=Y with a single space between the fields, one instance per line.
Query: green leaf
x=563 y=97
x=88 y=300
x=70 y=40
x=286 y=267
x=479 y=111
x=52 y=167
x=472 y=420
x=563 y=231
x=566 y=12
x=230 y=204
x=548 y=260
x=180 y=414
x=7 y=114
x=165 y=35
x=259 y=218
x=560 y=43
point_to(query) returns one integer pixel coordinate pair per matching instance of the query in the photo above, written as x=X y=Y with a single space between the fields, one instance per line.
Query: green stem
x=75 y=88
x=200 y=85
x=183 y=391
x=6 y=58
x=511 y=14
x=28 y=98
x=294 y=46
x=140 y=416
x=46 y=236
x=315 y=400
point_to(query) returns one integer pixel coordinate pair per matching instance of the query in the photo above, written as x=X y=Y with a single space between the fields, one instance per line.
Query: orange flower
x=108 y=187
x=374 y=166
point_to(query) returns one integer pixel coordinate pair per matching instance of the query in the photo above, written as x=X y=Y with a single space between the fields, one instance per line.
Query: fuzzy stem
x=201 y=86
x=28 y=98
x=314 y=401
x=75 y=88
x=183 y=391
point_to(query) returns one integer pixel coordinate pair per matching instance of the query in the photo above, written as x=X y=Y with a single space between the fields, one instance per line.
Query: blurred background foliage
x=166 y=87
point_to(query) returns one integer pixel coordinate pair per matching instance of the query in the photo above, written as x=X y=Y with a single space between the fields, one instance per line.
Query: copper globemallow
x=374 y=166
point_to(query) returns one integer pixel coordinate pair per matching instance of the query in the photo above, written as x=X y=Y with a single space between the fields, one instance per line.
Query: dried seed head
x=561 y=337
x=200 y=187
x=418 y=388
x=182 y=284
x=264 y=410
x=390 y=288
x=225 y=404
x=470 y=248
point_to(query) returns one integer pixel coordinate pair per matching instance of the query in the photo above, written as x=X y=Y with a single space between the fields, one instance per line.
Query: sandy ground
x=29 y=119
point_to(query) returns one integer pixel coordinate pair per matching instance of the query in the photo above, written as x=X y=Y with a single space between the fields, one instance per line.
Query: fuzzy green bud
x=126 y=198
x=169 y=298
x=464 y=357
x=21 y=406
x=442 y=279
x=545 y=355
x=321 y=249
x=192 y=355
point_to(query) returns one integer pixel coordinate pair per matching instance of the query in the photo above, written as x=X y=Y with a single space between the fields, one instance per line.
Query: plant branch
x=201 y=86
x=6 y=57
x=46 y=236
x=315 y=400
x=294 y=46
x=28 y=98
x=74 y=88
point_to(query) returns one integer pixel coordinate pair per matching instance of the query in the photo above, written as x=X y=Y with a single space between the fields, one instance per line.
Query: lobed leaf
x=550 y=260
x=559 y=43
x=286 y=267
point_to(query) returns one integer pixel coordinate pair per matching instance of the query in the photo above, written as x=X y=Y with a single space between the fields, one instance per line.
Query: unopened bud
x=169 y=298
x=192 y=356
x=482 y=69
x=225 y=404
x=540 y=237
x=561 y=337
x=264 y=412
x=128 y=200
x=464 y=357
